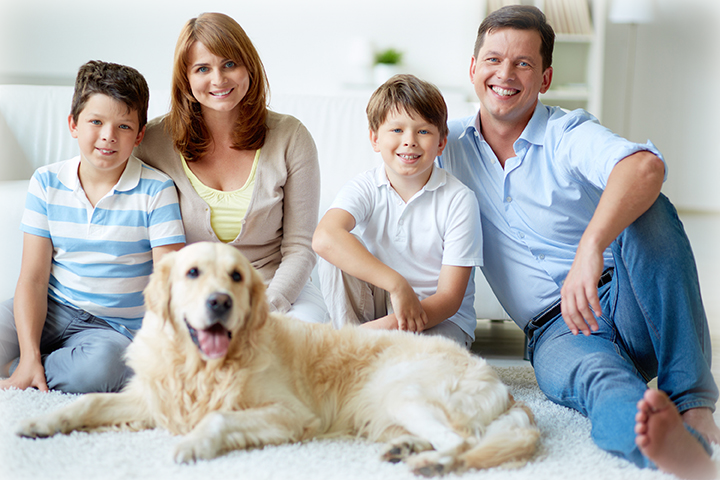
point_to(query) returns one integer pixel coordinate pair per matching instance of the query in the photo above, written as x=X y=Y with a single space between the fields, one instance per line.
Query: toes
x=403 y=447
x=430 y=470
x=431 y=464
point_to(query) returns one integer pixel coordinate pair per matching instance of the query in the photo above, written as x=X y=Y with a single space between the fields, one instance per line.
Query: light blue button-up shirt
x=535 y=210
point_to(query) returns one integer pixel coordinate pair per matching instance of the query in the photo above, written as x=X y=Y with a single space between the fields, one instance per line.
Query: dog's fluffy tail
x=510 y=441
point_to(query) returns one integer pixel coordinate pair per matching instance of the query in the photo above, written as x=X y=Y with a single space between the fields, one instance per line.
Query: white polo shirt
x=439 y=226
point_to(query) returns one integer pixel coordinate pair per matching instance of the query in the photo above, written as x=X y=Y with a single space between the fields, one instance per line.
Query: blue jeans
x=653 y=325
x=81 y=353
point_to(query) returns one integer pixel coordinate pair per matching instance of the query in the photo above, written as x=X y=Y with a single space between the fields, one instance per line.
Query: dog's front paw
x=402 y=447
x=432 y=464
x=38 y=427
x=193 y=448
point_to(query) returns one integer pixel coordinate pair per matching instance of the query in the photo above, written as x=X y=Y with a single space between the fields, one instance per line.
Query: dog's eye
x=193 y=273
x=236 y=276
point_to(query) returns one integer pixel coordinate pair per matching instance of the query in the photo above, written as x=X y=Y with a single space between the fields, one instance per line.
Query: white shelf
x=572 y=94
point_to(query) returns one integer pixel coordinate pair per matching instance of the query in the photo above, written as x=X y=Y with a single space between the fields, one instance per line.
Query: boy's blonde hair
x=409 y=94
x=223 y=37
x=119 y=82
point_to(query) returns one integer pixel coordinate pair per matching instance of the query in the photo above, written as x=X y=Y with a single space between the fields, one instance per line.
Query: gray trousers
x=80 y=352
x=353 y=301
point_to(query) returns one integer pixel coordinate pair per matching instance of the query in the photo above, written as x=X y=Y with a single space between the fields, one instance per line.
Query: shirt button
x=508 y=199
x=521 y=235
x=541 y=256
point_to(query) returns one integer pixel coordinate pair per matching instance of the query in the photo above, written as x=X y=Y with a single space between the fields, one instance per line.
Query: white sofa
x=34 y=132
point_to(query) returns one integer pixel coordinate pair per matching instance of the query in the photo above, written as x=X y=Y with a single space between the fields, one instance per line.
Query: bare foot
x=701 y=419
x=663 y=438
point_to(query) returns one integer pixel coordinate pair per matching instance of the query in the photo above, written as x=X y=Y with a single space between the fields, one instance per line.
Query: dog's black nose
x=219 y=304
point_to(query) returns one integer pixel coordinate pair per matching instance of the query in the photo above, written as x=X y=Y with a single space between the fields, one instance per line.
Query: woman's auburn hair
x=223 y=37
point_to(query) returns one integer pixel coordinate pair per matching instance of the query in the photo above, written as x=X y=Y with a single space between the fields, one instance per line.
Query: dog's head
x=210 y=293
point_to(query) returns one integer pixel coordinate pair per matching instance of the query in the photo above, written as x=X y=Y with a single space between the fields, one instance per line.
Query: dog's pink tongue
x=214 y=341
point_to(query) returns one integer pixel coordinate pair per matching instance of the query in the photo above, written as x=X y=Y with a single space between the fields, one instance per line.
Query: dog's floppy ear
x=157 y=293
x=258 y=307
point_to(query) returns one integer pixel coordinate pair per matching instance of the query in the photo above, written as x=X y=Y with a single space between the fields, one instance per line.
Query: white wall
x=675 y=99
x=306 y=45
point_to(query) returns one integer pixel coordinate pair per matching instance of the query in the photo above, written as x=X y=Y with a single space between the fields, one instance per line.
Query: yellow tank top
x=227 y=209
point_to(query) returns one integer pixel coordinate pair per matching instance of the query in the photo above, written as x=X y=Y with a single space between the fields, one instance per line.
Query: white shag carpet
x=565 y=452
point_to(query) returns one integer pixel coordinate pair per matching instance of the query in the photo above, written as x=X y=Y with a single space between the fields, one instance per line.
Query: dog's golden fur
x=278 y=380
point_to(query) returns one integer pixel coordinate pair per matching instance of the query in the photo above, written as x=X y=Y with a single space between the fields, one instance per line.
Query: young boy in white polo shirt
x=93 y=226
x=399 y=243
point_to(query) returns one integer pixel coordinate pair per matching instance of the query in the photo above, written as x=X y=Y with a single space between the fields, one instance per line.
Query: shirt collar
x=534 y=132
x=130 y=178
x=472 y=124
x=437 y=179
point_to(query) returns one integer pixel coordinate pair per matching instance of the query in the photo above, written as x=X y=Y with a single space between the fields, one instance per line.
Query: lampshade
x=631 y=11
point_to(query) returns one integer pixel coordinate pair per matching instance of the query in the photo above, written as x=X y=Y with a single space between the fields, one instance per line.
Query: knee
x=98 y=367
x=658 y=222
x=583 y=377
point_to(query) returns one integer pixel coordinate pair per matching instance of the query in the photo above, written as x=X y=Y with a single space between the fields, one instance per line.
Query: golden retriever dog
x=211 y=363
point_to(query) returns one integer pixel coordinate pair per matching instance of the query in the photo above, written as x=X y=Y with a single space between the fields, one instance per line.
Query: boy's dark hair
x=519 y=17
x=121 y=83
x=407 y=93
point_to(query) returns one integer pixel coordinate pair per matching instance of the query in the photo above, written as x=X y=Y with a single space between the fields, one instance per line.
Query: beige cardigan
x=283 y=211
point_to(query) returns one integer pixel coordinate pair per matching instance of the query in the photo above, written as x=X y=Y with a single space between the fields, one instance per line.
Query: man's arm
x=30 y=309
x=633 y=186
x=334 y=242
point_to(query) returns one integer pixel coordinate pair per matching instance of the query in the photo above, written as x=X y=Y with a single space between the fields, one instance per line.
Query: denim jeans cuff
x=696 y=403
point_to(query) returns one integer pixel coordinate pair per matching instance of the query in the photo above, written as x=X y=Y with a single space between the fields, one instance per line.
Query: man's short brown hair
x=519 y=17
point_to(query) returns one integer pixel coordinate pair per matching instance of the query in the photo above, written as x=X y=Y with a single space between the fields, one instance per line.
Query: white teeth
x=504 y=92
x=408 y=157
x=220 y=94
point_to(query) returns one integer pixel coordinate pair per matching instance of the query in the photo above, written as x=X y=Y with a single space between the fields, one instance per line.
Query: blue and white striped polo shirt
x=102 y=256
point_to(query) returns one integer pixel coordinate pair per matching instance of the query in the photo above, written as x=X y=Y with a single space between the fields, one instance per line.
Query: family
x=565 y=219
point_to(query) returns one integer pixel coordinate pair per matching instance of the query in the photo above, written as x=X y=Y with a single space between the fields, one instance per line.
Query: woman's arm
x=300 y=215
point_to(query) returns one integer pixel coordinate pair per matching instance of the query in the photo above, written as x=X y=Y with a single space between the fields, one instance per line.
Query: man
x=578 y=239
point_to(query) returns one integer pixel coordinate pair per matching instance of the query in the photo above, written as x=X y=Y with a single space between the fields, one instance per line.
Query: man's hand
x=580 y=303
x=408 y=311
x=29 y=373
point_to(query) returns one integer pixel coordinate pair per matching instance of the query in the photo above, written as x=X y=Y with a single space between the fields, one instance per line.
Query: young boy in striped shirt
x=93 y=226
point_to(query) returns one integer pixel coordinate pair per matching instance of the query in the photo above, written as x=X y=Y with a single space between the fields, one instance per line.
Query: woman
x=245 y=175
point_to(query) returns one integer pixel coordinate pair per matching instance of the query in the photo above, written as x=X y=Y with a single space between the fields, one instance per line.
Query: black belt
x=555 y=310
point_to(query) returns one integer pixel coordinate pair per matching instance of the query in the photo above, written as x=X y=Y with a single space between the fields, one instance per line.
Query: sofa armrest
x=12 y=199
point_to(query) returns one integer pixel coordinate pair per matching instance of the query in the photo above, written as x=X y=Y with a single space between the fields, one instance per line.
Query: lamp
x=631 y=12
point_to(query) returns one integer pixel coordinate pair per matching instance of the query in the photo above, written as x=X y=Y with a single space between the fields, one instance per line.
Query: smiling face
x=408 y=146
x=218 y=84
x=107 y=131
x=508 y=75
